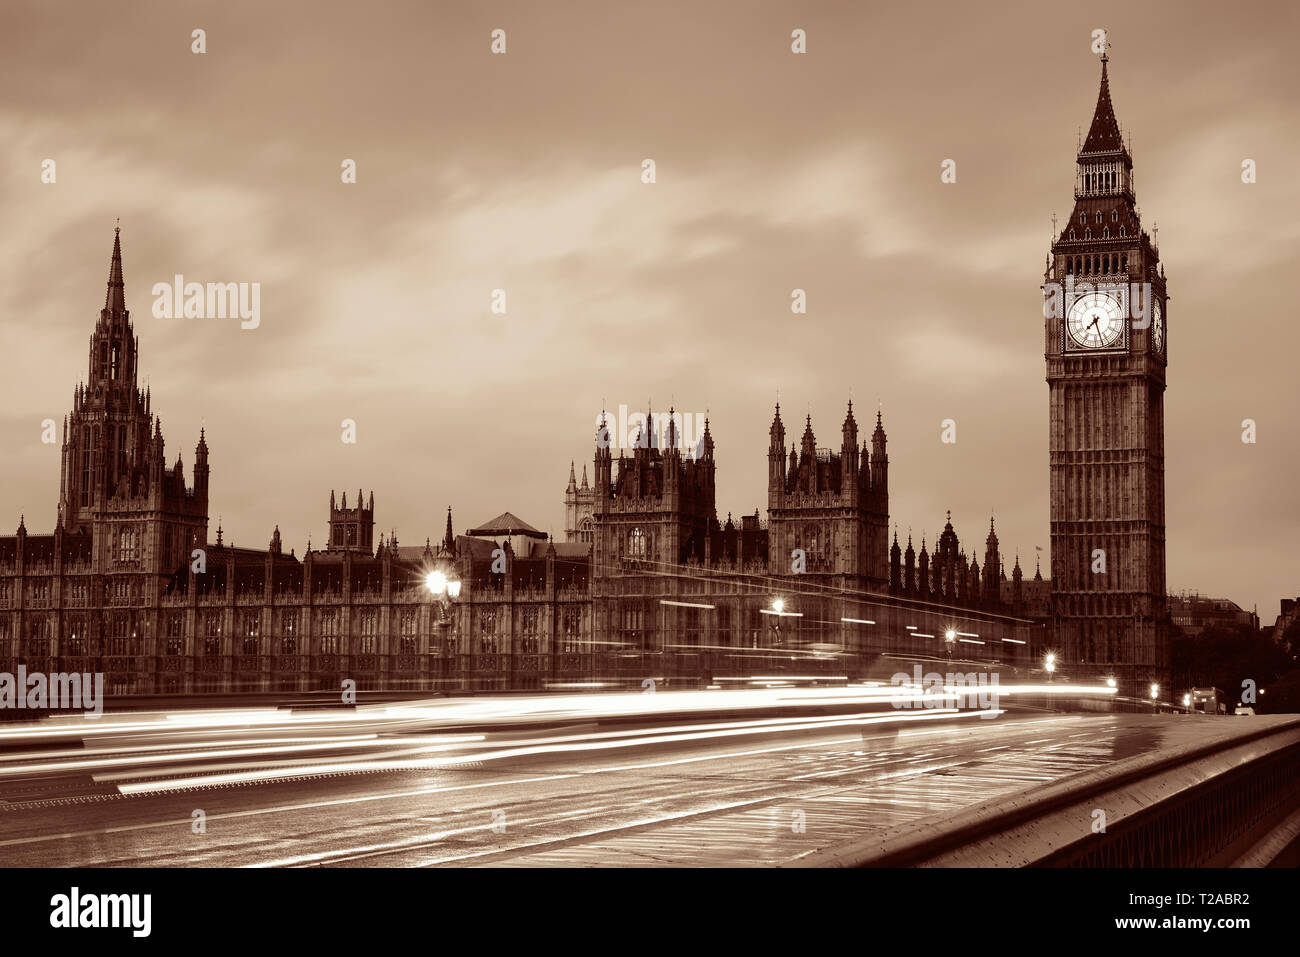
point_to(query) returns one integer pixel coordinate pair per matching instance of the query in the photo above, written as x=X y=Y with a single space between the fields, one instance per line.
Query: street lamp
x=949 y=642
x=1110 y=682
x=1049 y=664
x=1155 y=693
x=778 y=608
x=445 y=589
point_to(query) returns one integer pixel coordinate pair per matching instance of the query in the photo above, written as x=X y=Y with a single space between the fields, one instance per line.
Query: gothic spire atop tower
x=115 y=298
x=1103 y=134
x=448 y=539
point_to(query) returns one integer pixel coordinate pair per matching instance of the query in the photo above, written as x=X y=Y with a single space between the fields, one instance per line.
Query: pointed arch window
x=1072 y=234
x=1087 y=234
x=1122 y=232
x=636 y=545
x=1105 y=233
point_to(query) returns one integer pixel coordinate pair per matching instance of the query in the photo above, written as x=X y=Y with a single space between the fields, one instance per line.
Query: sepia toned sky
x=522 y=171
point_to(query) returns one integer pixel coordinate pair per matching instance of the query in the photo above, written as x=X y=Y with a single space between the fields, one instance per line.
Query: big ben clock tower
x=1106 y=351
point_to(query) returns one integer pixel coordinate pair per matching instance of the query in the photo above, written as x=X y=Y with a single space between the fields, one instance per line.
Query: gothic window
x=1097 y=218
x=1105 y=233
x=1072 y=234
x=407 y=626
x=352 y=534
x=571 y=629
x=1122 y=232
x=252 y=631
x=633 y=630
x=637 y=544
x=329 y=631
x=1114 y=215
x=117 y=636
x=1087 y=234
x=117 y=360
x=1083 y=219
x=369 y=629
x=128 y=545
x=75 y=643
x=175 y=635
x=212 y=633
x=530 y=631
x=289 y=632
x=585 y=533
x=38 y=637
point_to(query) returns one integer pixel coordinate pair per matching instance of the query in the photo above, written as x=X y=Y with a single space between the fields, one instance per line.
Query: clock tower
x=1106 y=353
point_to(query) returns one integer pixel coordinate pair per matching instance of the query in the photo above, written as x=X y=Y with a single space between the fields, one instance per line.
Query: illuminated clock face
x=1157 y=328
x=1096 y=320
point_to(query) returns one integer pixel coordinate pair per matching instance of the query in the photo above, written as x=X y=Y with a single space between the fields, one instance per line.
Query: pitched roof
x=506 y=524
x=1103 y=135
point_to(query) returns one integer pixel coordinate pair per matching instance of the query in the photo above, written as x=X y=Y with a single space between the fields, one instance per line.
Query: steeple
x=448 y=539
x=1103 y=135
x=115 y=298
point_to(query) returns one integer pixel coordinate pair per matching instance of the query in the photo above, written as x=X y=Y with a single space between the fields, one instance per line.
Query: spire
x=1103 y=135
x=448 y=539
x=573 y=478
x=115 y=298
x=584 y=475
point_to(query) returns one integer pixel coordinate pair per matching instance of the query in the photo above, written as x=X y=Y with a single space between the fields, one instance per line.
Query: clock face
x=1096 y=320
x=1157 y=328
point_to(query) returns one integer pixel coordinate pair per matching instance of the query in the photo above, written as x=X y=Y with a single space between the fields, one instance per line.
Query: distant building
x=1288 y=616
x=1193 y=613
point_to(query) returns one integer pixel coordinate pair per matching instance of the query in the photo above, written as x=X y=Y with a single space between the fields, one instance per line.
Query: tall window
x=487 y=626
x=407 y=626
x=572 y=623
x=289 y=632
x=636 y=546
x=212 y=633
x=252 y=631
x=75 y=642
x=175 y=634
x=119 y=628
x=530 y=631
x=369 y=630
x=329 y=631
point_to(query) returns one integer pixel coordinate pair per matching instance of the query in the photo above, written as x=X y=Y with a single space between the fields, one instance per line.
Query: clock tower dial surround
x=1106 y=350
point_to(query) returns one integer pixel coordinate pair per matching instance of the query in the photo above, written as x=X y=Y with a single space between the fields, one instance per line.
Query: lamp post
x=445 y=590
x=1155 y=694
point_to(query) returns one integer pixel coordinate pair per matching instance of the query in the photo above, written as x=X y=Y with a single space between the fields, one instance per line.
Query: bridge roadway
x=772 y=794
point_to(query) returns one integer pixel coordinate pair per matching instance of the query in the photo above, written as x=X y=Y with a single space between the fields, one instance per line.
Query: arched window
x=1087 y=234
x=1098 y=215
x=586 y=531
x=1072 y=234
x=1105 y=233
x=1122 y=232
x=636 y=545
x=1114 y=215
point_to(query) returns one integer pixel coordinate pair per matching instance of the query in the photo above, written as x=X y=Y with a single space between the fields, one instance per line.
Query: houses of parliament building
x=649 y=581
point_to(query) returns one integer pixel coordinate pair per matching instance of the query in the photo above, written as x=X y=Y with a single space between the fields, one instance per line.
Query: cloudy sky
x=523 y=172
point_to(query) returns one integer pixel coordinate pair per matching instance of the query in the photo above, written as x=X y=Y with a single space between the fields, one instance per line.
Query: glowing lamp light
x=453 y=589
x=1110 y=682
x=778 y=605
x=1187 y=700
x=950 y=635
x=437 y=582
x=1155 y=690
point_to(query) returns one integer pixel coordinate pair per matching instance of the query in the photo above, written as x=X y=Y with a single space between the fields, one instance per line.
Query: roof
x=506 y=524
x=1103 y=135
